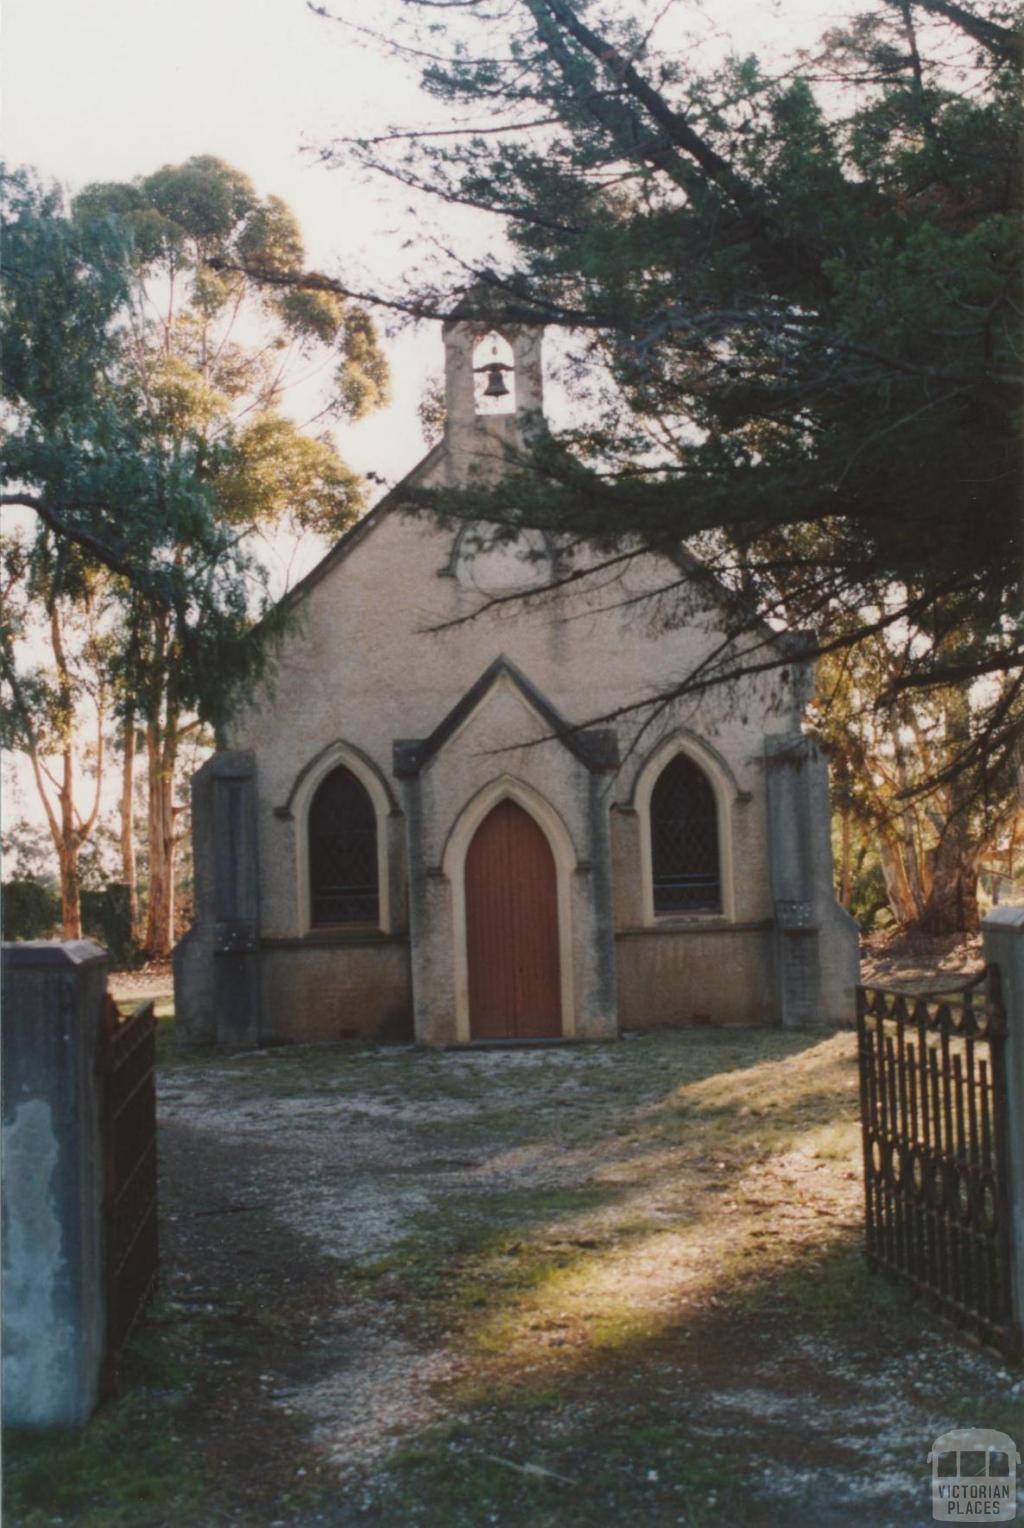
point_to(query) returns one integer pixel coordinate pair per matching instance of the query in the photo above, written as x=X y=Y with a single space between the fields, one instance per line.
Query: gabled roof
x=595 y=747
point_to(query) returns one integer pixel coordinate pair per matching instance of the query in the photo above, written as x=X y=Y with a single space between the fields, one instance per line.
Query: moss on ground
x=591 y=1473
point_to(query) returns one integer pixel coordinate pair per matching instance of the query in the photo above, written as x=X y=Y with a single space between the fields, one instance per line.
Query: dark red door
x=512 y=929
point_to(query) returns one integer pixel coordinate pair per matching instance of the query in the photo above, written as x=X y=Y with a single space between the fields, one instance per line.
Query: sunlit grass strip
x=532 y=1303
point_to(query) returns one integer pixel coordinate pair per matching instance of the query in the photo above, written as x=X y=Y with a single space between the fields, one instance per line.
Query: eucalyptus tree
x=45 y=698
x=928 y=847
x=103 y=498
x=147 y=428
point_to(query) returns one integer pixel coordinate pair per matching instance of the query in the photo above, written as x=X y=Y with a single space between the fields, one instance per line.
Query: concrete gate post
x=1003 y=937
x=54 y=1297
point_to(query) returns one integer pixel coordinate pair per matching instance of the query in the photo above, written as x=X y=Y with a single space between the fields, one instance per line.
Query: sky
x=115 y=88
x=112 y=89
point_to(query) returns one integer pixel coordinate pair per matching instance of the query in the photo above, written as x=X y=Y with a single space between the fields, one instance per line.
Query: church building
x=444 y=819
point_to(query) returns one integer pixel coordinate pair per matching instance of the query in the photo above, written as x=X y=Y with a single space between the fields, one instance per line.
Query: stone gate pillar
x=216 y=964
x=54 y=1294
x=1003 y=936
x=816 y=941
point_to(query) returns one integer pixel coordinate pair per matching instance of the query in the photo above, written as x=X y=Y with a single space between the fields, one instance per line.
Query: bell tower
x=493 y=385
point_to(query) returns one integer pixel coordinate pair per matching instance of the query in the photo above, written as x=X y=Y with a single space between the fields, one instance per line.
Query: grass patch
x=839 y=1294
x=166 y=1044
x=481 y=1261
x=99 y=1477
x=1002 y=1411
x=589 y=1474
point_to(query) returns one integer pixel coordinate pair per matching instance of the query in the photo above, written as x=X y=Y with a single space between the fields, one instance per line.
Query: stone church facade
x=422 y=828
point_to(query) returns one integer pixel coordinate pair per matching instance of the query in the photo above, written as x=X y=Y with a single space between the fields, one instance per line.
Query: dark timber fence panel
x=127 y=1061
x=934 y=1121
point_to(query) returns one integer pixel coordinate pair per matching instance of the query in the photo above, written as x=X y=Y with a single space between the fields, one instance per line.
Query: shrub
x=31 y=909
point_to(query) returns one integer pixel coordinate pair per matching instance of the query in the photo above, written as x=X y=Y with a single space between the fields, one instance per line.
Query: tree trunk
x=69 y=829
x=129 y=871
x=917 y=881
x=67 y=859
x=161 y=757
x=952 y=905
x=69 y=842
x=897 y=883
x=70 y=885
x=160 y=906
x=846 y=859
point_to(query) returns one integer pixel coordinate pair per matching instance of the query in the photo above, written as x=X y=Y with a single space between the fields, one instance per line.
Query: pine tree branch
x=516 y=310
x=1002 y=42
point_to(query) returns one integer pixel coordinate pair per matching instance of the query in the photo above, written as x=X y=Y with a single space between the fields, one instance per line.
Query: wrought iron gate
x=933 y=1113
x=127 y=1061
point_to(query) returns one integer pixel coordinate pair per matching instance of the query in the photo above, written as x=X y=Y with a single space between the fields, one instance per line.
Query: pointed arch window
x=684 y=840
x=343 y=866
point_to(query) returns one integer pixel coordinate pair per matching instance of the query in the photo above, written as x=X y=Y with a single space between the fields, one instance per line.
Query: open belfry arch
x=419 y=830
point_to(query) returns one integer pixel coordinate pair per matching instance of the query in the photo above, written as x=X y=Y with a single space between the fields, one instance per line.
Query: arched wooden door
x=512 y=929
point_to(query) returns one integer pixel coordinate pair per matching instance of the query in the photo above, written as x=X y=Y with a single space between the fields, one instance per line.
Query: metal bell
x=495 y=381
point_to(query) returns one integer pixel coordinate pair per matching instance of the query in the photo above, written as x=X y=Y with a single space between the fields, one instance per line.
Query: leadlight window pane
x=684 y=840
x=343 y=852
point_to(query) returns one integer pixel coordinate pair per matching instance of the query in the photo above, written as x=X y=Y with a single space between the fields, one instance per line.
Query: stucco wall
x=337 y=991
x=719 y=973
